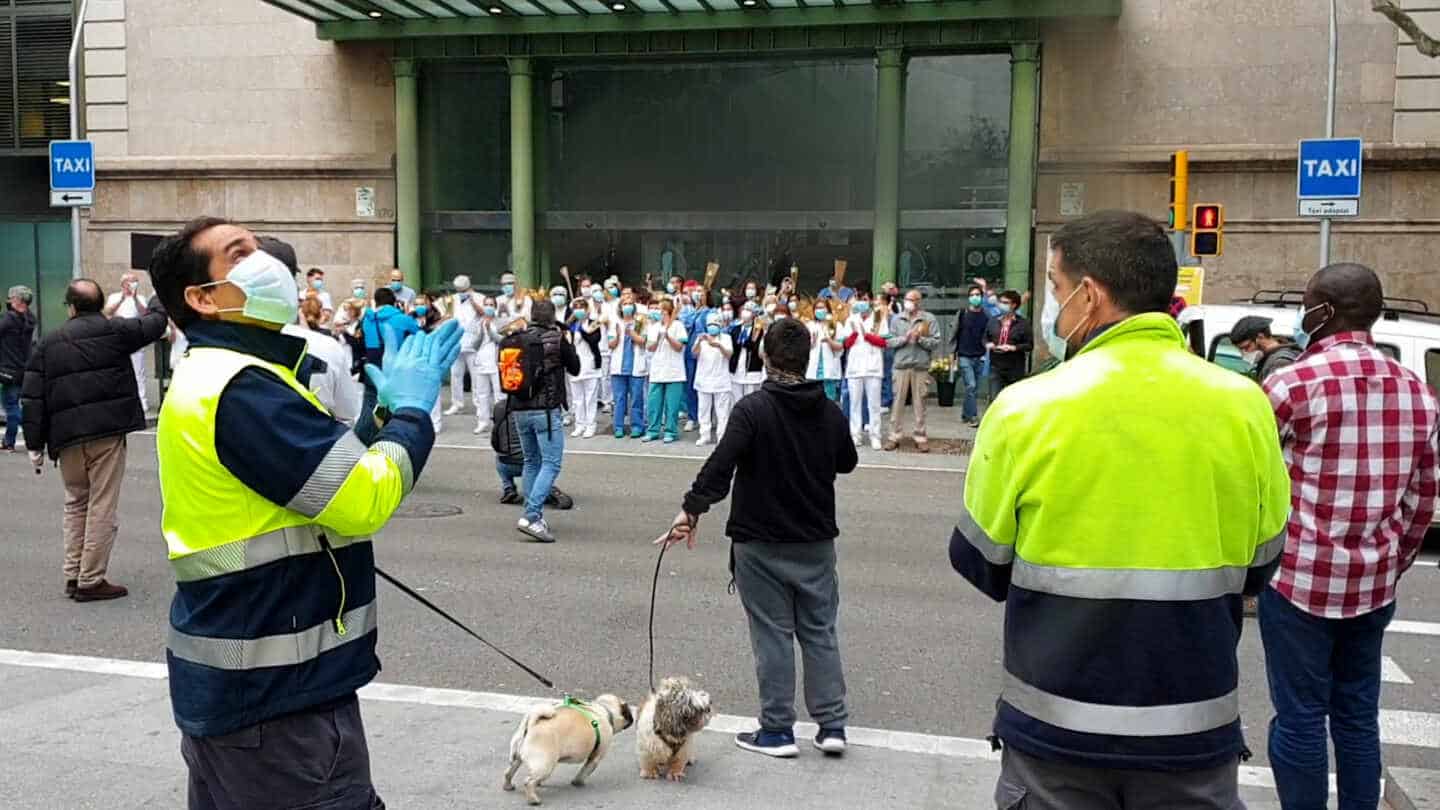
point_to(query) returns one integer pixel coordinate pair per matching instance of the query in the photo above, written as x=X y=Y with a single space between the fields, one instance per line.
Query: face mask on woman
x=627 y=310
x=1004 y=307
x=821 y=314
x=976 y=300
x=750 y=292
x=713 y=329
x=507 y=289
x=558 y=301
x=670 y=288
x=862 y=307
x=598 y=296
x=358 y=292
x=655 y=315
x=489 y=312
x=397 y=286
x=421 y=311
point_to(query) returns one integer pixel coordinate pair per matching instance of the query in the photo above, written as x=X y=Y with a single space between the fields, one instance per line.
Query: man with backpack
x=533 y=364
x=510 y=460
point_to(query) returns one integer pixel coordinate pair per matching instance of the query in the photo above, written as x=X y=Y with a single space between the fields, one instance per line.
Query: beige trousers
x=911 y=384
x=92 y=472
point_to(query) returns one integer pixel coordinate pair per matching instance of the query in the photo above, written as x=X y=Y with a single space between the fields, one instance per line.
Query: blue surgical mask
x=670 y=288
x=268 y=286
x=712 y=329
x=598 y=295
x=397 y=286
x=1302 y=336
x=578 y=314
x=358 y=292
x=863 y=307
x=821 y=314
x=489 y=312
x=317 y=283
x=508 y=289
x=613 y=291
x=976 y=300
x=558 y=301
x=1004 y=308
x=655 y=315
x=1050 y=320
x=421 y=311
x=627 y=310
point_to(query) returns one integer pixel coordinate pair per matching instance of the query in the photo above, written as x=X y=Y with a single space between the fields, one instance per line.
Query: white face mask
x=270 y=291
x=909 y=305
x=1050 y=320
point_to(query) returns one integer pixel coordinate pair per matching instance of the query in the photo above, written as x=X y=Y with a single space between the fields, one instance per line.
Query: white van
x=1407 y=330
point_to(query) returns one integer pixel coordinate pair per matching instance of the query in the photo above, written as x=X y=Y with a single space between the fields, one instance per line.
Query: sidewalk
x=105 y=739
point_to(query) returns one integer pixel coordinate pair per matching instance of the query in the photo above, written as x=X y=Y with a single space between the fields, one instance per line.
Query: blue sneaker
x=769 y=742
x=831 y=740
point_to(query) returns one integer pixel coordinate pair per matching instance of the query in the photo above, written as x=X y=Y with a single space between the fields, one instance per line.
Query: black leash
x=405 y=589
x=654 y=586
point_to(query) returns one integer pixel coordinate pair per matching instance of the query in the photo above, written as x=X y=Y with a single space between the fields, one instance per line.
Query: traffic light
x=1179 y=188
x=1208 y=237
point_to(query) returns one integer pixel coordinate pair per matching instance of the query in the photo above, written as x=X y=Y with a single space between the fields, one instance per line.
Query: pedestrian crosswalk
x=1409 y=705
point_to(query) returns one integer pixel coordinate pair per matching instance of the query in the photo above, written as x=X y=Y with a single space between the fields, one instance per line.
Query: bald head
x=84 y=295
x=1351 y=295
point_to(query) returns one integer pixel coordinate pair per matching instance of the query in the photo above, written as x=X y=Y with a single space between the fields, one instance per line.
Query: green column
x=546 y=271
x=1024 y=150
x=889 y=141
x=407 y=171
x=522 y=172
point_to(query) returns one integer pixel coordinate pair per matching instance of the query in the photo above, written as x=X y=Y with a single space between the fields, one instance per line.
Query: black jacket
x=17 y=330
x=784 y=446
x=1020 y=337
x=590 y=339
x=560 y=357
x=80 y=385
x=753 y=361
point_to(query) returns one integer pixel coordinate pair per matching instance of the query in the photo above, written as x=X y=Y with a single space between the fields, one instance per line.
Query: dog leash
x=405 y=589
x=655 y=586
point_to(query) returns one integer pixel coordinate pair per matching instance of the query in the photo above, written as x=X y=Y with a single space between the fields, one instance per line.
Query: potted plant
x=943 y=370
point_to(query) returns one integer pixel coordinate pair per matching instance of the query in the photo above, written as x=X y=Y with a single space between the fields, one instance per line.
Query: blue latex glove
x=415 y=369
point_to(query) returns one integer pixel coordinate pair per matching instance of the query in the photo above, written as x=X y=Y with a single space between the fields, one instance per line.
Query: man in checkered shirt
x=1358 y=431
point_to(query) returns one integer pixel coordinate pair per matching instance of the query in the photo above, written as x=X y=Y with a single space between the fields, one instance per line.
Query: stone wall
x=1238 y=85
x=234 y=108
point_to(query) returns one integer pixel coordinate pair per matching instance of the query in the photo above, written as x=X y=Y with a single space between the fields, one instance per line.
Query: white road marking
x=1414 y=628
x=1390 y=672
x=1420 y=729
x=1402 y=725
x=621 y=454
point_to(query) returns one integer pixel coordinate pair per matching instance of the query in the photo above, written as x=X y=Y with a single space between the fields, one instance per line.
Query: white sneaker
x=875 y=444
x=689 y=426
x=522 y=524
x=481 y=428
x=568 y=420
x=575 y=434
x=884 y=410
x=589 y=433
x=701 y=442
x=858 y=439
x=454 y=409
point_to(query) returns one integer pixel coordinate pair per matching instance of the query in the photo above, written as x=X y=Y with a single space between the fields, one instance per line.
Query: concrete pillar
x=889 y=141
x=407 y=171
x=522 y=172
x=547 y=272
x=1024 y=151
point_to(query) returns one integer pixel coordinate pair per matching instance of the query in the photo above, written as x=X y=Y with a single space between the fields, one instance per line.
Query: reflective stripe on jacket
x=1120 y=504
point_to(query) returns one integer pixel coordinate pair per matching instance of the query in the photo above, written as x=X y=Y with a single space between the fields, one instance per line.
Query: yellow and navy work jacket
x=1119 y=505
x=268 y=507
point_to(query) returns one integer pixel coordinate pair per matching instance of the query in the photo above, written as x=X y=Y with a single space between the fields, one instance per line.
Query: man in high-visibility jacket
x=268 y=507
x=1120 y=505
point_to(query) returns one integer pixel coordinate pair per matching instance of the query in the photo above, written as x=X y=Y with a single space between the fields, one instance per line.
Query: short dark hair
x=1013 y=297
x=384 y=297
x=1249 y=328
x=787 y=346
x=1127 y=253
x=542 y=312
x=176 y=264
x=314 y=271
x=85 y=295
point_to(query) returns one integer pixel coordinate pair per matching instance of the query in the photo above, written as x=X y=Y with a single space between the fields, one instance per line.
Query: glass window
x=1432 y=368
x=957 y=132
x=464 y=137
x=1224 y=354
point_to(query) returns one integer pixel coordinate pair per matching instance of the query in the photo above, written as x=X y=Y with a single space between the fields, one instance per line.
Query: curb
x=1412 y=788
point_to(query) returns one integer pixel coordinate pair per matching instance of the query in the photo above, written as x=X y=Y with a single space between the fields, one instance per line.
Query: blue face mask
x=270 y=292
x=508 y=289
x=598 y=295
x=821 y=314
x=976 y=300
x=489 y=312
x=317 y=283
x=558 y=301
x=421 y=311
x=670 y=288
x=613 y=291
x=1302 y=336
x=397 y=286
x=712 y=329
x=358 y=292
x=863 y=308
x=655 y=315
x=627 y=310
x=1004 y=308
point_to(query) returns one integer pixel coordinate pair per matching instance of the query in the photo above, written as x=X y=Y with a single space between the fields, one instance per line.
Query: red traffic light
x=1208 y=217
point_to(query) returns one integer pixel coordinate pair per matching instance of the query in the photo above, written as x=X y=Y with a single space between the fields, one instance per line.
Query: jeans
x=542 y=437
x=666 y=399
x=1320 y=667
x=971 y=371
x=508 y=472
x=11 y=395
x=629 y=399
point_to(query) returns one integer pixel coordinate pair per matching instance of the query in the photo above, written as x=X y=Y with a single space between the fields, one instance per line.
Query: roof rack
x=1391 y=309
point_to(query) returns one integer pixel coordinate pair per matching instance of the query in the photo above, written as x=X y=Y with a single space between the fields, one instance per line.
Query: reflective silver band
x=398 y=454
x=243 y=555
x=1124 y=721
x=1266 y=552
x=1146 y=584
x=995 y=553
x=283 y=650
x=329 y=476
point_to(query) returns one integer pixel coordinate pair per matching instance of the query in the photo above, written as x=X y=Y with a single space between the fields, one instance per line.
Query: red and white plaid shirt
x=1358 y=431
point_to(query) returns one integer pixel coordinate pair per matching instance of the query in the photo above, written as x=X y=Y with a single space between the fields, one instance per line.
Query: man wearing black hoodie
x=783 y=447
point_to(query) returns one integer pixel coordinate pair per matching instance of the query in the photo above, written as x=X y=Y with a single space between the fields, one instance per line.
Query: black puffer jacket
x=80 y=385
x=17 y=330
x=560 y=357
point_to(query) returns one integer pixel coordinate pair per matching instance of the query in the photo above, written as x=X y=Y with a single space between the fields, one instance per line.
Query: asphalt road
x=922 y=648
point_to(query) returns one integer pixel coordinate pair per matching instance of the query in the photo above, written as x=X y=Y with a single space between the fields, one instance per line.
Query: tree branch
x=1424 y=43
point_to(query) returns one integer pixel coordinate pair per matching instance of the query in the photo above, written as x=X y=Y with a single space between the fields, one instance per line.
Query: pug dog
x=571 y=731
x=668 y=723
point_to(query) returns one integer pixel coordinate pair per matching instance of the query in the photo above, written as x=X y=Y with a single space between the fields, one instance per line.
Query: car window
x=1432 y=368
x=1224 y=354
x=1389 y=350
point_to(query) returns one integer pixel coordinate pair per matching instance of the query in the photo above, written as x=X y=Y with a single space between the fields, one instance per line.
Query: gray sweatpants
x=1035 y=784
x=791 y=591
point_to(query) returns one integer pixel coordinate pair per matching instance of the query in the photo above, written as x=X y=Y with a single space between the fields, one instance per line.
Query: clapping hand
x=413 y=371
x=682 y=530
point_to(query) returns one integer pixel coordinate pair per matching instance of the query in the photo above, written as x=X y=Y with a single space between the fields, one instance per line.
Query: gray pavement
x=915 y=636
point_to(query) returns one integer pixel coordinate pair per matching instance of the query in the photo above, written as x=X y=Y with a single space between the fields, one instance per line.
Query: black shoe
x=831 y=741
x=780 y=744
x=71 y=586
x=511 y=496
x=559 y=500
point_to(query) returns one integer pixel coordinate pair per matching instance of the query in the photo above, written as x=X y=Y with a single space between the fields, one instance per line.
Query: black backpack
x=522 y=364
